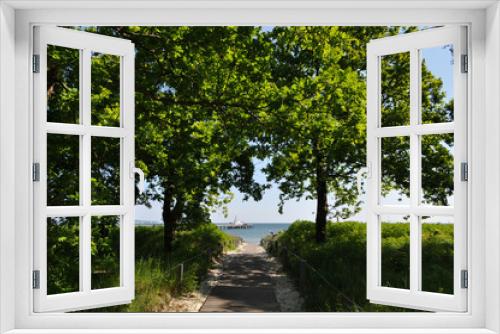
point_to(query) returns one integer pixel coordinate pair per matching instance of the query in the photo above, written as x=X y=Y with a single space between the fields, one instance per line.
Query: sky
x=438 y=60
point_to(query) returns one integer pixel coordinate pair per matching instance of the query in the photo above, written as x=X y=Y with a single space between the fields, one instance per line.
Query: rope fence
x=305 y=265
x=181 y=265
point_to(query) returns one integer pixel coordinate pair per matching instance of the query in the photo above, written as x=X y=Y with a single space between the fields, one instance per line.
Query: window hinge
x=464 y=171
x=36 y=63
x=36 y=279
x=465 y=64
x=36 y=172
x=464 y=279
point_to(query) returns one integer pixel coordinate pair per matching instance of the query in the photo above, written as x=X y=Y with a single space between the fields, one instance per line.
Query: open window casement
x=83 y=169
x=404 y=124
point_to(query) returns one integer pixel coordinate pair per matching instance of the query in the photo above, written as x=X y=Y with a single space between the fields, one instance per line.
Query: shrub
x=157 y=278
x=332 y=275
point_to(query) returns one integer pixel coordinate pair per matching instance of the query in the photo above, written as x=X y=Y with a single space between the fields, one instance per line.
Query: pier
x=243 y=226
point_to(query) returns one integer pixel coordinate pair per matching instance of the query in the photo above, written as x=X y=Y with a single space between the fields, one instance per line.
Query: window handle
x=359 y=176
x=134 y=170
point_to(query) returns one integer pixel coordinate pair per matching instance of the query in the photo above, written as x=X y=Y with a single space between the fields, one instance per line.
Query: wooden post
x=181 y=277
x=285 y=256
x=302 y=272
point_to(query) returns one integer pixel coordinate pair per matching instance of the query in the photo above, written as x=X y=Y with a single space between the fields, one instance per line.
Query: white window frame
x=412 y=43
x=16 y=20
x=85 y=43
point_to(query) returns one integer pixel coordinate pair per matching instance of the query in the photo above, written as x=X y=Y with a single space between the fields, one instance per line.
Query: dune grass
x=157 y=278
x=332 y=277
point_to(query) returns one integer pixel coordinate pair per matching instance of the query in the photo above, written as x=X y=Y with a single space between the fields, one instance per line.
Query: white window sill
x=253 y=331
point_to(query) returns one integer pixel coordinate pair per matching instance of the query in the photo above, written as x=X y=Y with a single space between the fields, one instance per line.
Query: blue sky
x=438 y=60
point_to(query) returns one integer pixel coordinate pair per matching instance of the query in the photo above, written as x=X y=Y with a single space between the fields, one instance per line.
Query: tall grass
x=157 y=278
x=332 y=275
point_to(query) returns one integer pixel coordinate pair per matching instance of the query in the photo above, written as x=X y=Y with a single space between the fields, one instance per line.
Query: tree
x=437 y=150
x=316 y=127
x=316 y=136
x=211 y=99
x=197 y=89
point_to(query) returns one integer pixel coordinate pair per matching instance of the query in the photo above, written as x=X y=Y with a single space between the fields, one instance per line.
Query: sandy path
x=251 y=281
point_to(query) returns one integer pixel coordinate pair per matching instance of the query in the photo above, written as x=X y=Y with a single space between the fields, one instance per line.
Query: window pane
x=437 y=169
x=395 y=171
x=395 y=89
x=105 y=171
x=437 y=254
x=105 y=252
x=105 y=89
x=63 y=80
x=437 y=84
x=63 y=170
x=395 y=250
x=63 y=252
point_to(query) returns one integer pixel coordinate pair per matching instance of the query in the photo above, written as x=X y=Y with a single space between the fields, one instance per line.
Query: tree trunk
x=321 y=210
x=171 y=218
x=322 y=200
x=168 y=225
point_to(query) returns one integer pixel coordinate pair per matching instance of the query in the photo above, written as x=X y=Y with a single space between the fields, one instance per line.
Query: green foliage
x=63 y=85
x=395 y=255
x=395 y=89
x=437 y=258
x=63 y=253
x=63 y=107
x=209 y=100
x=62 y=250
x=149 y=242
x=338 y=280
x=105 y=99
x=437 y=150
x=62 y=170
x=197 y=92
x=315 y=128
x=105 y=251
x=156 y=280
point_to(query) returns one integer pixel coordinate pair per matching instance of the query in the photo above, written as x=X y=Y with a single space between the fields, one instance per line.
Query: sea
x=257 y=231
x=251 y=235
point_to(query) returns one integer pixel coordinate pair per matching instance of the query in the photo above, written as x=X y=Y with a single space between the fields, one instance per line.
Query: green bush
x=333 y=277
x=157 y=276
x=62 y=249
x=63 y=252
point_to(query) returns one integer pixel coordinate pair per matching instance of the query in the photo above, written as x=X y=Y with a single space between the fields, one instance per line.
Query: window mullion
x=85 y=176
x=415 y=172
